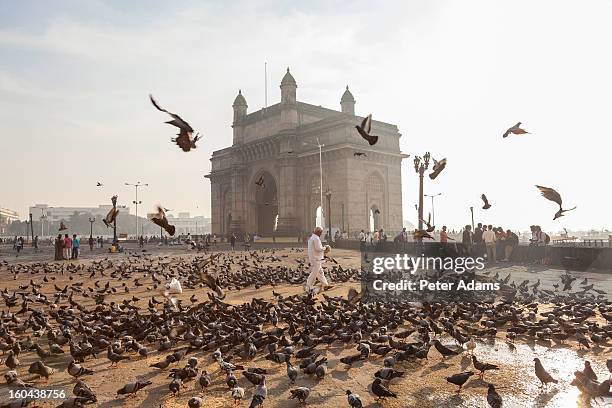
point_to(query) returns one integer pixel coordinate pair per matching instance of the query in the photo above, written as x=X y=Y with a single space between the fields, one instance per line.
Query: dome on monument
x=239 y=101
x=288 y=79
x=347 y=96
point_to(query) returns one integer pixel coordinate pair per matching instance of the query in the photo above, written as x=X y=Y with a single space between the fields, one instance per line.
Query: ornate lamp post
x=420 y=166
x=328 y=194
x=114 y=201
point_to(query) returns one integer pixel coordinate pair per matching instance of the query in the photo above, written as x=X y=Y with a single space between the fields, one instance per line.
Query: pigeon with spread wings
x=260 y=183
x=430 y=228
x=185 y=139
x=552 y=195
x=437 y=168
x=161 y=220
x=110 y=217
x=365 y=128
x=486 y=205
x=515 y=130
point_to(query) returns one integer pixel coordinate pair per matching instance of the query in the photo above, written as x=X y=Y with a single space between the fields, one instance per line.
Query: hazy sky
x=453 y=75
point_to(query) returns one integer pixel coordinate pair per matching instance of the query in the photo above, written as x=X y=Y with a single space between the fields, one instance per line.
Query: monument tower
x=278 y=145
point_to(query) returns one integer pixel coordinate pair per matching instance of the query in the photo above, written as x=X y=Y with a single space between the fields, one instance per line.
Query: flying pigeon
x=365 y=128
x=437 y=168
x=552 y=195
x=185 y=139
x=516 y=130
x=161 y=220
x=486 y=205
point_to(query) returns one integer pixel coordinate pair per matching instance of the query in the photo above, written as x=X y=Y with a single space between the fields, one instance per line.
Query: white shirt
x=488 y=236
x=362 y=236
x=315 y=248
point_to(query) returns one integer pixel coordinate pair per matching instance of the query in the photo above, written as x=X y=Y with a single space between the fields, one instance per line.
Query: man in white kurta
x=316 y=251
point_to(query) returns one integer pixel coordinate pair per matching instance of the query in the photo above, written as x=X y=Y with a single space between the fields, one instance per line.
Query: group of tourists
x=66 y=247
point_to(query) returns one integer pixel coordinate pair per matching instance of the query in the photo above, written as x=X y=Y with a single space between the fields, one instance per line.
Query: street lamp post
x=139 y=184
x=320 y=146
x=420 y=166
x=32 y=229
x=472 y=211
x=91 y=221
x=42 y=222
x=328 y=194
x=433 y=210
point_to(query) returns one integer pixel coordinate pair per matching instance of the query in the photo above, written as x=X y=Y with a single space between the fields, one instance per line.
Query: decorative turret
x=288 y=88
x=347 y=102
x=240 y=107
x=288 y=105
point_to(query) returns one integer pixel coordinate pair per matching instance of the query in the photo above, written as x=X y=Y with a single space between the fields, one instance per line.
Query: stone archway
x=374 y=223
x=266 y=204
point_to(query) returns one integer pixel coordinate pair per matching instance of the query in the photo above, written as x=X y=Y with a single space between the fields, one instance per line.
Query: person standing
x=91 y=243
x=67 y=247
x=233 y=241
x=59 y=246
x=512 y=241
x=375 y=240
x=443 y=235
x=477 y=240
x=467 y=239
x=489 y=239
x=76 y=245
x=316 y=251
x=35 y=242
x=19 y=245
x=362 y=241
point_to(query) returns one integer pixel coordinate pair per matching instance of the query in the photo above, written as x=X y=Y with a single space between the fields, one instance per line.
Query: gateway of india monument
x=269 y=181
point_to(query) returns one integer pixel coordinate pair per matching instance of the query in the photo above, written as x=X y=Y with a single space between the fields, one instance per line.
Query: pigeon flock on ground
x=69 y=327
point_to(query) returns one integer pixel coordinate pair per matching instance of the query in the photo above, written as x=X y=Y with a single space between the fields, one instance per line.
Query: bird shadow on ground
x=439 y=366
x=476 y=382
x=465 y=362
x=544 y=397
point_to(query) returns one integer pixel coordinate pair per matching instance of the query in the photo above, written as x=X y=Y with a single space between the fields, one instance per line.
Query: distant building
x=185 y=224
x=6 y=217
x=56 y=214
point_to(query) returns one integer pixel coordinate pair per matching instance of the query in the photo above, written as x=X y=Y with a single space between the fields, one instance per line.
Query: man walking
x=76 y=245
x=316 y=251
x=489 y=239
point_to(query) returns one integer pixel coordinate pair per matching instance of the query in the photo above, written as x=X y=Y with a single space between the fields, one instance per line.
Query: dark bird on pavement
x=388 y=373
x=292 y=372
x=204 y=380
x=132 y=388
x=381 y=391
x=493 y=398
x=552 y=195
x=301 y=393
x=486 y=205
x=460 y=379
x=115 y=357
x=515 y=130
x=542 y=374
x=185 y=139
x=437 y=168
x=160 y=219
x=482 y=367
x=76 y=370
x=445 y=351
x=354 y=400
x=365 y=128
x=588 y=371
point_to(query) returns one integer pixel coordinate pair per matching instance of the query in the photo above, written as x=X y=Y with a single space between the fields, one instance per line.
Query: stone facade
x=279 y=145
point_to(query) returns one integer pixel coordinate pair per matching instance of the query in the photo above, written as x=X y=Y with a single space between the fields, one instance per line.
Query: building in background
x=269 y=180
x=56 y=214
x=185 y=224
x=7 y=217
